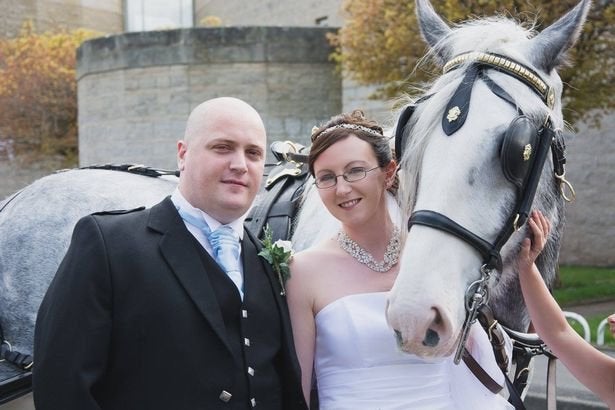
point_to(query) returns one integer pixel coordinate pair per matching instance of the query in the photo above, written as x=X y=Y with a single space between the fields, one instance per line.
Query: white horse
x=468 y=167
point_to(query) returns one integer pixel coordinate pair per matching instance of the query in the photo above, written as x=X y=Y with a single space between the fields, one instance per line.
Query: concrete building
x=137 y=89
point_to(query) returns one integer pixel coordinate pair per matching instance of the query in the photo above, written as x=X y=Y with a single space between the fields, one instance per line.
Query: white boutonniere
x=278 y=254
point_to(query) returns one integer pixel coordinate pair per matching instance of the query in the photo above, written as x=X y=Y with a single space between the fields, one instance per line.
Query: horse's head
x=477 y=156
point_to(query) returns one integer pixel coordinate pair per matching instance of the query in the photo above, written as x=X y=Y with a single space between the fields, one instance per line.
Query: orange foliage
x=38 y=93
x=380 y=44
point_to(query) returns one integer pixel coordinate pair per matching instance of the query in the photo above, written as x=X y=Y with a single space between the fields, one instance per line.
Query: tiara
x=346 y=126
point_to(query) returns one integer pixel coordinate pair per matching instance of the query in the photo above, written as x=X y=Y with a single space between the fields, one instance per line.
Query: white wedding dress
x=358 y=365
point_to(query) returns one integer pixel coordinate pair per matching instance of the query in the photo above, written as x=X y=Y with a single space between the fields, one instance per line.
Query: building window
x=144 y=15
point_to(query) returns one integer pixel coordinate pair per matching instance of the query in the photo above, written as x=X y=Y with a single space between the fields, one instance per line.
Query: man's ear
x=182 y=148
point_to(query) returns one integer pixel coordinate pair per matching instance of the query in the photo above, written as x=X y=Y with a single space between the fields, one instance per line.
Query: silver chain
x=477 y=295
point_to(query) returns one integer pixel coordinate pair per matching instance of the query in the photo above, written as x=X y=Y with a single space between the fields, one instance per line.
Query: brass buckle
x=490 y=329
x=515 y=222
x=563 y=184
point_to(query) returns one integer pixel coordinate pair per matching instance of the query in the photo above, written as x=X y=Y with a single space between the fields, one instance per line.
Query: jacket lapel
x=178 y=249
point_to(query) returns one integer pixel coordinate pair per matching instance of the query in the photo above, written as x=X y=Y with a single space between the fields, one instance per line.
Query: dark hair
x=343 y=125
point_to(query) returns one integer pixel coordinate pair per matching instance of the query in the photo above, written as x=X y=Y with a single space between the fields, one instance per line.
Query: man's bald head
x=221 y=158
x=213 y=112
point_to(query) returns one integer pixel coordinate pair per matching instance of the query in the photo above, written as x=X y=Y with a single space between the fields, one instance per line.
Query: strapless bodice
x=358 y=365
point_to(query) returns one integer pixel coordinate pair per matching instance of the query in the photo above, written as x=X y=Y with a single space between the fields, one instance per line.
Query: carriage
x=477 y=152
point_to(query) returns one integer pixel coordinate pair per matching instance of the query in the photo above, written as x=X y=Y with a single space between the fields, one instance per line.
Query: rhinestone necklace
x=391 y=254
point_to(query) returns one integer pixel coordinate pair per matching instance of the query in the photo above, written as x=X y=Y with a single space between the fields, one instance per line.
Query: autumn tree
x=38 y=94
x=380 y=44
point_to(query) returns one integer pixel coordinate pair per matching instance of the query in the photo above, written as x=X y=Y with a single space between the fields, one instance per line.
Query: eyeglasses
x=352 y=175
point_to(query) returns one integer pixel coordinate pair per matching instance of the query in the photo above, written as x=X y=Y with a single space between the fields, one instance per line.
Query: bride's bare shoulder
x=324 y=249
x=315 y=259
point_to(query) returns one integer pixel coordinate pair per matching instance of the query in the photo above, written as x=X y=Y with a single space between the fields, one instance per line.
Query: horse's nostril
x=431 y=338
x=438 y=319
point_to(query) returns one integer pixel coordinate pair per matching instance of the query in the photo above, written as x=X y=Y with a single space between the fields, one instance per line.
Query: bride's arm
x=300 y=304
x=593 y=368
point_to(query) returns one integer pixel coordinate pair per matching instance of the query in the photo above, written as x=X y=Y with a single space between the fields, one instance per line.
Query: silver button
x=246 y=341
x=253 y=402
x=244 y=313
x=225 y=396
x=250 y=371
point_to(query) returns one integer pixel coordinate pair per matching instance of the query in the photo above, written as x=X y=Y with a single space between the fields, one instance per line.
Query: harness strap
x=551 y=376
x=400 y=130
x=4 y=205
x=278 y=203
x=499 y=91
x=457 y=109
x=514 y=398
x=558 y=149
x=21 y=360
x=522 y=358
x=496 y=336
x=480 y=373
x=436 y=220
x=497 y=339
x=135 y=169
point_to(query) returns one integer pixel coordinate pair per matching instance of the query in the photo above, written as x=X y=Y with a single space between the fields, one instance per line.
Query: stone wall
x=589 y=236
x=103 y=16
x=303 y=13
x=136 y=90
x=271 y=12
x=14 y=175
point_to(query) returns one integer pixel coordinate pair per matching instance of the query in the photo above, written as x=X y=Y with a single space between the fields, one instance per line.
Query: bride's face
x=360 y=200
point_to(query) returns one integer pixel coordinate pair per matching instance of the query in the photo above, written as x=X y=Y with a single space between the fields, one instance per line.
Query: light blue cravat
x=226 y=248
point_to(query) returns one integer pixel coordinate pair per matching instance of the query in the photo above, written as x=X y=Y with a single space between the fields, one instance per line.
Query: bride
x=338 y=288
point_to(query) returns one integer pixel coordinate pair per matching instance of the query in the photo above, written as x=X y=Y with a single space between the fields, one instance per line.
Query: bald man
x=140 y=314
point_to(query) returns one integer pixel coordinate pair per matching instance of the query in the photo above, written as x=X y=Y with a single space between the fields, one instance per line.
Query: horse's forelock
x=488 y=35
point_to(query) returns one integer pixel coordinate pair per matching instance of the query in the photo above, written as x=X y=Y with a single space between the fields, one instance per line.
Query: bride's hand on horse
x=535 y=242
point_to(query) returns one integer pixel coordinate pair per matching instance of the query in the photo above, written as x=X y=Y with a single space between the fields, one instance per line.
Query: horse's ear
x=550 y=46
x=433 y=28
